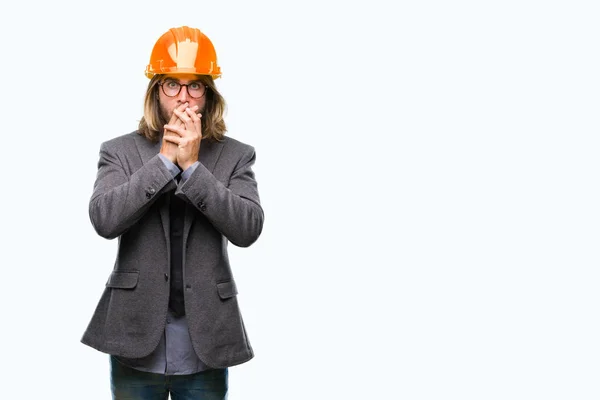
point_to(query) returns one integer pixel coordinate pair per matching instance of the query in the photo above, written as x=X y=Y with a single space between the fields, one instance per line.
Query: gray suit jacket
x=222 y=205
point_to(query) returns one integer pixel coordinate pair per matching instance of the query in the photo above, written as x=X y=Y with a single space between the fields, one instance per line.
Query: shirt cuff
x=170 y=165
x=186 y=174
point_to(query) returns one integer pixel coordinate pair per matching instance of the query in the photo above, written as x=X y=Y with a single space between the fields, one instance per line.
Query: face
x=168 y=104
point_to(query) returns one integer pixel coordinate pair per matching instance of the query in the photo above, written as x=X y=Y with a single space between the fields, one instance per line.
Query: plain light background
x=428 y=171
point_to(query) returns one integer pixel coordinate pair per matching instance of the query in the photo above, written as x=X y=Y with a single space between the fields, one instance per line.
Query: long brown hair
x=213 y=124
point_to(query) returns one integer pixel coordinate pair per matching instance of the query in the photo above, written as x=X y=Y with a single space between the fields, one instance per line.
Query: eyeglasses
x=172 y=88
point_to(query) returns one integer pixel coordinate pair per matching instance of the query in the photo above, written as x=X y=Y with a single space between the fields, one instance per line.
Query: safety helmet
x=183 y=50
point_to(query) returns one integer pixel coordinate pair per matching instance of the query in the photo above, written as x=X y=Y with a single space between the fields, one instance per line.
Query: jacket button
x=166 y=278
x=202 y=206
x=150 y=192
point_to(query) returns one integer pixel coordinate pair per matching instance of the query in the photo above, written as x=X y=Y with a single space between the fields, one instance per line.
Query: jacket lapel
x=146 y=148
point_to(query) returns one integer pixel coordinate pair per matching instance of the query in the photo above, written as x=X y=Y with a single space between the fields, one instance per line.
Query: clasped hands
x=182 y=136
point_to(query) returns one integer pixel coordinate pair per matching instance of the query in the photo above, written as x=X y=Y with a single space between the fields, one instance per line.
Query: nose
x=183 y=94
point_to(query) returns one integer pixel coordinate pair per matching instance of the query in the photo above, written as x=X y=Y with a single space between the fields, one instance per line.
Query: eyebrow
x=178 y=81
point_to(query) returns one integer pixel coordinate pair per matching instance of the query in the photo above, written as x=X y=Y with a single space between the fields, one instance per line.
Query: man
x=174 y=192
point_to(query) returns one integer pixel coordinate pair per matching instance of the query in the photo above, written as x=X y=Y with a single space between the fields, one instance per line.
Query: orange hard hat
x=183 y=50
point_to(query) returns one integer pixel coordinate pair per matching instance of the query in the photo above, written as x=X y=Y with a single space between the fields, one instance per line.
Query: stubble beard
x=166 y=114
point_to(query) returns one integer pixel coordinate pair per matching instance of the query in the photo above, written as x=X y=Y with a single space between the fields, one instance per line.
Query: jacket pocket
x=226 y=289
x=123 y=279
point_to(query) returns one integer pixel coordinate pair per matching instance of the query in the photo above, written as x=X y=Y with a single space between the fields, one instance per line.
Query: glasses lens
x=196 y=89
x=171 y=88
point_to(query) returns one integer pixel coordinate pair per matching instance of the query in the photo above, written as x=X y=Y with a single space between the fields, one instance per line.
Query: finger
x=180 y=109
x=196 y=118
x=198 y=126
x=175 y=121
x=183 y=116
x=195 y=121
x=179 y=141
x=174 y=118
x=171 y=131
x=179 y=130
x=192 y=114
x=188 y=121
x=173 y=139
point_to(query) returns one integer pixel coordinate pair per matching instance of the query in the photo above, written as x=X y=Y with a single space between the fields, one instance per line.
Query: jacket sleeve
x=234 y=210
x=120 y=199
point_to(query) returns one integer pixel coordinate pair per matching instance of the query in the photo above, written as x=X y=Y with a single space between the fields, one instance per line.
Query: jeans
x=130 y=384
